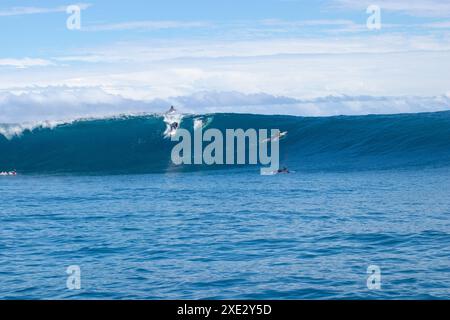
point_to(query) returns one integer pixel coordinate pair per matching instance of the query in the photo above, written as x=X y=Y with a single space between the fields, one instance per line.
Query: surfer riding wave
x=172 y=119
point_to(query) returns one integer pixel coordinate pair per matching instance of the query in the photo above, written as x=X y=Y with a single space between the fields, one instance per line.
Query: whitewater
x=137 y=144
x=104 y=195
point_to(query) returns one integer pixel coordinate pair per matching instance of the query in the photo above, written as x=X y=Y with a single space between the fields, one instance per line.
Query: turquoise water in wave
x=103 y=194
x=227 y=234
x=135 y=144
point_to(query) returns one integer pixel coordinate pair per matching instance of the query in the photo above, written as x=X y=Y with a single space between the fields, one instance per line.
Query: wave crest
x=136 y=144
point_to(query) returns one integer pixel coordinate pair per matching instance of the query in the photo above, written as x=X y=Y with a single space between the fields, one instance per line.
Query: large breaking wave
x=136 y=144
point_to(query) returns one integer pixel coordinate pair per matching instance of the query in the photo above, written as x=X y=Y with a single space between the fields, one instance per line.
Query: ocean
x=103 y=195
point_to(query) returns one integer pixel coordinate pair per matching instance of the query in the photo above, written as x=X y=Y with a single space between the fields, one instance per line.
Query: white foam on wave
x=198 y=124
x=169 y=119
x=9 y=131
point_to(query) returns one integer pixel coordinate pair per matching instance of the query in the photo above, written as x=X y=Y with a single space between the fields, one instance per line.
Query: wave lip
x=136 y=144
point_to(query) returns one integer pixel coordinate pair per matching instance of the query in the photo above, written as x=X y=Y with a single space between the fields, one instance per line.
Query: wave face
x=136 y=144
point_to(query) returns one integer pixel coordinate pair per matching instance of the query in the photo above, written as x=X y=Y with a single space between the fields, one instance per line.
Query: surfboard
x=275 y=138
x=202 y=122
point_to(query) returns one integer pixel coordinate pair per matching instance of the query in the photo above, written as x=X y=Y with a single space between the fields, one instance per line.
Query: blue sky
x=45 y=33
x=156 y=51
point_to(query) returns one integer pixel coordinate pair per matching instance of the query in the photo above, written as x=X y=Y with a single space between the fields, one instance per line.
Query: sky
x=268 y=56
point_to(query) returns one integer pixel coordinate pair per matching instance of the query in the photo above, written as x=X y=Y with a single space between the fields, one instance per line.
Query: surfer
x=171 y=120
x=276 y=137
x=283 y=170
x=174 y=126
x=282 y=134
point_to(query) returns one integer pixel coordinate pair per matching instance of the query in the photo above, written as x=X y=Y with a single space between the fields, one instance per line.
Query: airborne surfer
x=172 y=110
x=173 y=126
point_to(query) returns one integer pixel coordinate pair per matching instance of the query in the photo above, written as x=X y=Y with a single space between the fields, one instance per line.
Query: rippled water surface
x=226 y=234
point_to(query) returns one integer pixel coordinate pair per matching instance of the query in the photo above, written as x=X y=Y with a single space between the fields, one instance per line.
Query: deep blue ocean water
x=227 y=234
x=103 y=194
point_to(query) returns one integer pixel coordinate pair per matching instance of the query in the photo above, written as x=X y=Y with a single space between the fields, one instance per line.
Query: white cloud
x=24 y=63
x=168 y=50
x=438 y=25
x=210 y=102
x=146 y=25
x=384 y=65
x=317 y=26
x=66 y=104
x=301 y=23
x=19 y=11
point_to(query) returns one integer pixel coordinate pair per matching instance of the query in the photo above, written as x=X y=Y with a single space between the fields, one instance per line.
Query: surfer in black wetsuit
x=173 y=126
